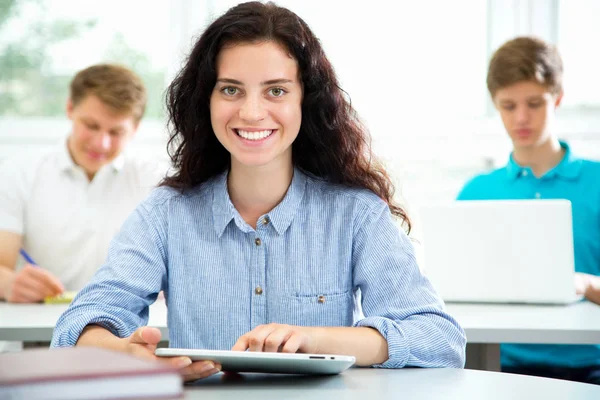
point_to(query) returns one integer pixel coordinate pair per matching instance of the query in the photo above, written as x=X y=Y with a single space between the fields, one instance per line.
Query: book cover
x=85 y=372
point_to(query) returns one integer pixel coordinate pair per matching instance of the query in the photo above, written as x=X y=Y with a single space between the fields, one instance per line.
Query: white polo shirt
x=67 y=222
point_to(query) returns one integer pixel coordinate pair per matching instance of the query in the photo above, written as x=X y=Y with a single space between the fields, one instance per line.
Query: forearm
x=97 y=336
x=6 y=276
x=366 y=344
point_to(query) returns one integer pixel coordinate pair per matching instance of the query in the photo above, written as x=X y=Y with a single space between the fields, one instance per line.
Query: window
x=578 y=33
x=43 y=43
x=414 y=70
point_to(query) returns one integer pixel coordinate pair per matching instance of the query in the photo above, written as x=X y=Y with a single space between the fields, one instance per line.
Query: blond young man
x=525 y=83
x=64 y=207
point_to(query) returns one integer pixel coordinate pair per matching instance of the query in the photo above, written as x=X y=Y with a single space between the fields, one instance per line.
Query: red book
x=85 y=372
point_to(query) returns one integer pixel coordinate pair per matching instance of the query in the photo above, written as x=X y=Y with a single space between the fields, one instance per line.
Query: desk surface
x=572 y=324
x=577 y=323
x=414 y=384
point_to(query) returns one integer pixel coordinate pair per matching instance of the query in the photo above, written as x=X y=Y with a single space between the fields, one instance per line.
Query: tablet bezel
x=266 y=362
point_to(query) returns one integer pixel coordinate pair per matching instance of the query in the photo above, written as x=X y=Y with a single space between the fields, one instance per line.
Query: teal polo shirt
x=574 y=179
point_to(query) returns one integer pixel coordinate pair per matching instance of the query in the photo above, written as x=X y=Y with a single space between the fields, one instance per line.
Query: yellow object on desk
x=63 y=298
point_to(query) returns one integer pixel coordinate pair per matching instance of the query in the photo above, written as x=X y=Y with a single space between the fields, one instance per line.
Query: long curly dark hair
x=332 y=142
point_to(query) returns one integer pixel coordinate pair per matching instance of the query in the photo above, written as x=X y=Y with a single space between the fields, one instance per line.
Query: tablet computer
x=275 y=363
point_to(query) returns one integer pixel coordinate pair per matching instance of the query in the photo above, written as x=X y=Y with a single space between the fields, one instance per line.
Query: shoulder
x=590 y=166
x=481 y=184
x=163 y=197
x=344 y=197
x=24 y=167
x=145 y=170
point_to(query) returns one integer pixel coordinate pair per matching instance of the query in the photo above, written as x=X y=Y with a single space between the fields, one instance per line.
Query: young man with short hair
x=64 y=207
x=525 y=82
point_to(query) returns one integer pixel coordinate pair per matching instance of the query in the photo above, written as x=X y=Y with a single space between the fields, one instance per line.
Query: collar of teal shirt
x=568 y=168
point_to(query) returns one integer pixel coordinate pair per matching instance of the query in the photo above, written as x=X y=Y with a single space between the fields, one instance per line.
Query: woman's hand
x=142 y=344
x=278 y=338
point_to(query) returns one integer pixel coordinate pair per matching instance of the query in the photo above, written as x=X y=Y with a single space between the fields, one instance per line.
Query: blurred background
x=414 y=70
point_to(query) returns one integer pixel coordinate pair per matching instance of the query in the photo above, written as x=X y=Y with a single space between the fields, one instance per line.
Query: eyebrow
x=89 y=120
x=265 y=83
x=531 y=98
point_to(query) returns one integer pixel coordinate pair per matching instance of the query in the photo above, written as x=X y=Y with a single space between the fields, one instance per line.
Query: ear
x=69 y=108
x=558 y=99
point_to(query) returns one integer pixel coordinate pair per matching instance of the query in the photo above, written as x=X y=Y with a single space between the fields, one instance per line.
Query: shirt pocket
x=318 y=309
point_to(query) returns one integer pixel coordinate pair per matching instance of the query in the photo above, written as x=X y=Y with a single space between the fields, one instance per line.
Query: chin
x=525 y=142
x=254 y=161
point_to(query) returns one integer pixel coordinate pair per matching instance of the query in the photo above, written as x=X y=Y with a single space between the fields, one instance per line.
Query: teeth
x=257 y=135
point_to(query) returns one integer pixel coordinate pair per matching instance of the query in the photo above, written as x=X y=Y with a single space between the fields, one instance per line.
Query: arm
x=366 y=344
x=142 y=344
x=399 y=302
x=111 y=311
x=118 y=296
x=29 y=284
x=11 y=242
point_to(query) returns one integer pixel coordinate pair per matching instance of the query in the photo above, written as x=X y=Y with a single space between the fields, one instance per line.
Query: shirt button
x=258 y=290
x=537 y=195
x=257 y=241
x=321 y=299
x=523 y=173
x=265 y=220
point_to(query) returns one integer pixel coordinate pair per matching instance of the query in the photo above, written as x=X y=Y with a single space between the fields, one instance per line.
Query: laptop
x=500 y=251
x=267 y=362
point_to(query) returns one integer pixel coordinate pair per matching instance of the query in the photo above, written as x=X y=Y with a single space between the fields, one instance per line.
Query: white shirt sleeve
x=13 y=195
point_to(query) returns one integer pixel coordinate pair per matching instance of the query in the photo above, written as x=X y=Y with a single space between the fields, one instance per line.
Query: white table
x=35 y=322
x=414 y=384
x=486 y=325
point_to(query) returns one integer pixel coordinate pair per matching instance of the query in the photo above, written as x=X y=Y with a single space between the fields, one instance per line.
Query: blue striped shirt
x=327 y=255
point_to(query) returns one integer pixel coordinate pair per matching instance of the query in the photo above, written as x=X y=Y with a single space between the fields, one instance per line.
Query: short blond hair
x=525 y=59
x=116 y=86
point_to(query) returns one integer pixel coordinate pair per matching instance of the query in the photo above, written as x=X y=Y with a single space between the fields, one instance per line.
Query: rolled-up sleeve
x=399 y=301
x=119 y=295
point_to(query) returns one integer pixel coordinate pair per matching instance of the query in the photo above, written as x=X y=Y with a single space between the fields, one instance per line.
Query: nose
x=252 y=109
x=522 y=115
x=102 y=141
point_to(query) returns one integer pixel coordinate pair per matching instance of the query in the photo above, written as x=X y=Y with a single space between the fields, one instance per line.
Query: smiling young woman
x=277 y=224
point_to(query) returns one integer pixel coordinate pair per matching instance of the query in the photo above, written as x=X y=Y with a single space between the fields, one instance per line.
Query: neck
x=540 y=158
x=254 y=191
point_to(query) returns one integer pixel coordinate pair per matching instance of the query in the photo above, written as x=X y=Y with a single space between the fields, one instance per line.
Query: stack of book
x=85 y=373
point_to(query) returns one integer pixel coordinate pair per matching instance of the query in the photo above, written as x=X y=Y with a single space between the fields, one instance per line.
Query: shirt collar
x=280 y=217
x=66 y=163
x=569 y=167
